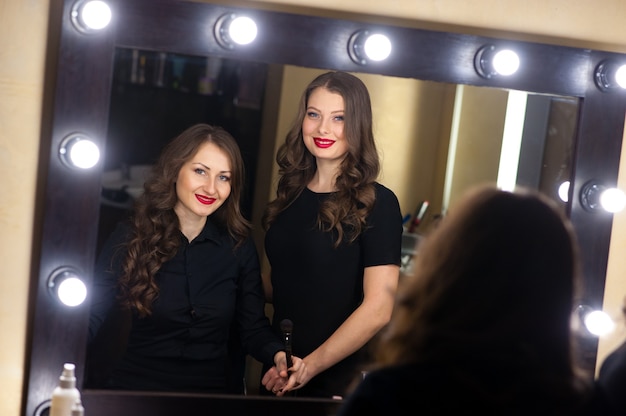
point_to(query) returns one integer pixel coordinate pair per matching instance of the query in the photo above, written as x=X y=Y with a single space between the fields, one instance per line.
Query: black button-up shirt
x=207 y=293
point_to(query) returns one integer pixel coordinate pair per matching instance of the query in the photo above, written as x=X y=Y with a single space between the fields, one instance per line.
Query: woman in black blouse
x=183 y=275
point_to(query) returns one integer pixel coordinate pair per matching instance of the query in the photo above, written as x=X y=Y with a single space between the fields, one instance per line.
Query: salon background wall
x=23 y=43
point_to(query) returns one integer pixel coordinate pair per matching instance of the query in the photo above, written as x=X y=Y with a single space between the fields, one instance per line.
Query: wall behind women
x=23 y=30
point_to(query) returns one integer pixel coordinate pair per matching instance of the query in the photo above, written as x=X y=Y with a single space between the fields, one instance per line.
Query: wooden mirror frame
x=77 y=100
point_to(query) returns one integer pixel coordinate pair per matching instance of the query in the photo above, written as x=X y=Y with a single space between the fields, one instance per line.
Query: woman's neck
x=325 y=178
x=191 y=227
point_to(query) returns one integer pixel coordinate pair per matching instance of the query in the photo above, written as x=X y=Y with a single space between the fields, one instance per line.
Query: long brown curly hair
x=346 y=209
x=494 y=283
x=155 y=229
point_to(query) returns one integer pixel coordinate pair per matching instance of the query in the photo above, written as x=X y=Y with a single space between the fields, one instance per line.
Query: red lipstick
x=323 y=143
x=205 y=199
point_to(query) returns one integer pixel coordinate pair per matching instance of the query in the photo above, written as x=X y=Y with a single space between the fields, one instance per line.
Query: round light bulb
x=613 y=200
x=506 y=62
x=95 y=14
x=620 y=76
x=84 y=154
x=72 y=291
x=377 y=47
x=564 y=191
x=598 y=323
x=242 y=30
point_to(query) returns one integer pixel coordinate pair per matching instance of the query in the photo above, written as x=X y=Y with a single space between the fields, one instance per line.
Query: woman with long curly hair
x=333 y=237
x=186 y=274
x=482 y=325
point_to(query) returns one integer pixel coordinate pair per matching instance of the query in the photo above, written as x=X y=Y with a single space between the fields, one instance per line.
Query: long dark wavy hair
x=494 y=284
x=155 y=229
x=346 y=209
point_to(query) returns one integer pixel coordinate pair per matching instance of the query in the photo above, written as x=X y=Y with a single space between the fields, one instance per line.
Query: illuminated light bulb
x=72 y=291
x=96 y=14
x=613 y=200
x=491 y=61
x=364 y=47
x=506 y=62
x=91 y=15
x=377 y=47
x=610 y=75
x=564 y=191
x=598 y=323
x=77 y=151
x=67 y=287
x=620 y=76
x=231 y=30
x=242 y=30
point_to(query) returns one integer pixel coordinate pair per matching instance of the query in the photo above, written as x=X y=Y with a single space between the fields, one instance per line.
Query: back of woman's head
x=495 y=279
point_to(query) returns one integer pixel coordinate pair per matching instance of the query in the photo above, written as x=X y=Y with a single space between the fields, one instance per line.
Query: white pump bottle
x=65 y=395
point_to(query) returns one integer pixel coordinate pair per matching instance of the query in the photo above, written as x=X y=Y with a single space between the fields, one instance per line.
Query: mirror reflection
x=157 y=95
x=425 y=130
x=435 y=139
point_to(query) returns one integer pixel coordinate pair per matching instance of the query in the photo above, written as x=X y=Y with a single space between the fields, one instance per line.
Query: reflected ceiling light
x=232 y=30
x=595 y=197
x=78 y=151
x=596 y=322
x=610 y=75
x=67 y=286
x=564 y=191
x=491 y=61
x=364 y=46
x=90 y=15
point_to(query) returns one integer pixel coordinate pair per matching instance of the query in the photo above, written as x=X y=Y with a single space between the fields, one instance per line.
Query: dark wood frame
x=77 y=98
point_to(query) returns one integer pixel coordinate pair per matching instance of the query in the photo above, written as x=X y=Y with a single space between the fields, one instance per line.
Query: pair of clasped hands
x=284 y=377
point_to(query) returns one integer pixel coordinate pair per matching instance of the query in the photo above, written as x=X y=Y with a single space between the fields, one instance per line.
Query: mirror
x=79 y=99
x=435 y=139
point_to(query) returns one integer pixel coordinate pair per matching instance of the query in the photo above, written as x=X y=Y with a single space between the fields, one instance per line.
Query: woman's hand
x=280 y=379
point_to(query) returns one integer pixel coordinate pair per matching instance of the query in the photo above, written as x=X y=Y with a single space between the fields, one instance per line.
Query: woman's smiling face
x=203 y=183
x=323 y=125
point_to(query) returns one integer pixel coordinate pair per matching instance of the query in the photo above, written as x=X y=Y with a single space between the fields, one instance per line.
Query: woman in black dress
x=333 y=237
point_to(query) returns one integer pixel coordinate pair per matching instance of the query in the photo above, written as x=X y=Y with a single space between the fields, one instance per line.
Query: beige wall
x=482 y=111
x=615 y=289
x=22 y=48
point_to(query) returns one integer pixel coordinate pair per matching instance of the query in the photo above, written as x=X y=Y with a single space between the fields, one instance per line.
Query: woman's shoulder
x=380 y=188
x=386 y=200
x=384 y=193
